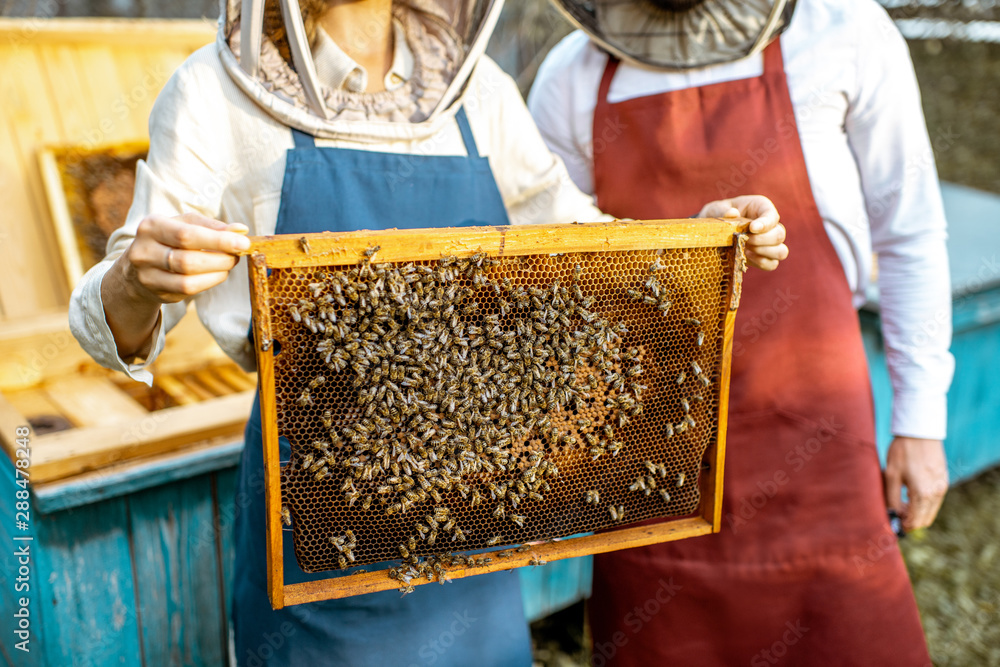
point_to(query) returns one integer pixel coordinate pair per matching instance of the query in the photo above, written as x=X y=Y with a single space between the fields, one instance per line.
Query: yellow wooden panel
x=93 y=401
x=32 y=279
x=105 y=91
x=62 y=76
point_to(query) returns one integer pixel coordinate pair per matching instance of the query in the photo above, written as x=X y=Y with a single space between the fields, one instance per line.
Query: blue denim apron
x=472 y=621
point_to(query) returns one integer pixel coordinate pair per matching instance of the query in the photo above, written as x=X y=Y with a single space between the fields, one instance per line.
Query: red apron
x=805 y=570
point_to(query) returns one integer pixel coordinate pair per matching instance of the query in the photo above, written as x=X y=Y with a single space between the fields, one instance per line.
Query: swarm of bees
x=449 y=389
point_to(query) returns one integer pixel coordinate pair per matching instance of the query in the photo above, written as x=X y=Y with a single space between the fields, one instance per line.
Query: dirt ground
x=955 y=568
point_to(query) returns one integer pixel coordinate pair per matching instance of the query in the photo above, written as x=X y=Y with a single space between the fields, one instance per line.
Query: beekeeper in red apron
x=659 y=104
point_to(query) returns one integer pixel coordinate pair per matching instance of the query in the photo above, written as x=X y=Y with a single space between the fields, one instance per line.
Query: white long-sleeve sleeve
x=869 y=160
x=888 y=136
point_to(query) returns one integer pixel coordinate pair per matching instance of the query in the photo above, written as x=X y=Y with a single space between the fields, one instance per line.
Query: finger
x=718 y=209
x=201 y=234
x=762 y=263
x=169 y=286
x=894 y=492
x=772 y=236
x=193 y=218
x=199 y=261
x=923 y=509
x=776 y=252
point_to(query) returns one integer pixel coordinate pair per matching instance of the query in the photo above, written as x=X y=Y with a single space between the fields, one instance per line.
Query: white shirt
x=869 y=160
x=339 y=70
x=214 y=151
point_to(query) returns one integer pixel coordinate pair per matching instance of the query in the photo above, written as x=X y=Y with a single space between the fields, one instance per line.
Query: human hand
x=766 y=242
x=920 y=466
x=171 y=259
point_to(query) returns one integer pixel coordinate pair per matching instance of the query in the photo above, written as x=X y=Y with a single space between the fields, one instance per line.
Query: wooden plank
x=177 y=390
x=39 y=348
x=269 y=415
x=175 y=33
x=94 y=401
x=176 y=574
x=132 y=476
x=15 y=539
x=236 y=378
x=85 y=594
x=10 y=419
x=32 y=403
x=549 y=588
x=194 y=387
x=625 y=538
x=405 y=245
x=208 y=379
x=61 y=455
x=61 y=222
x=28 y=251
x=106 y=93
x=226 y=502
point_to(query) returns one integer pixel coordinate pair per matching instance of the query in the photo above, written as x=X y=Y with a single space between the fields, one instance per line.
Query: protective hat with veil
x=265 y=45
x=680 y=34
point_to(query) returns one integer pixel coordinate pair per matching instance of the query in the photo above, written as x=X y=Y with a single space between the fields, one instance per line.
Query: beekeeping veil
x=266 y=46
x=680 y=34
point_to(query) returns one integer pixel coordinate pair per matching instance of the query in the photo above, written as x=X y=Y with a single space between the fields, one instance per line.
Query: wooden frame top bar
x=408 y=245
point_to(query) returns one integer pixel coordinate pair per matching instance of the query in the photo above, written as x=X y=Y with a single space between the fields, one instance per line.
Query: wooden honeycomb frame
x=399 y=246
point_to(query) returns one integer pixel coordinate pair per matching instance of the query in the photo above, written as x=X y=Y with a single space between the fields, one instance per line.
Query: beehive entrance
x=462 y=403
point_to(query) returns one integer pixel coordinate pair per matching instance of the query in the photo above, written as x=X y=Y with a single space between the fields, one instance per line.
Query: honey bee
x=680 y=427
x=304 y=399
x=406 y=591
x=294 y=312
x=432 y=537
x=655 y=266
x=681 y=377
x=317 y=381
x=700 y=339
x=692 y=322
x=518 y=519
x=499 y=512
x=342 y=562
x=493 y=541
x=304 y=245
x=536 y=561
x=371 y=250
x=665 y=495
x=286 y=515
x=680 y=480
x=689 y=420
x=613 y=511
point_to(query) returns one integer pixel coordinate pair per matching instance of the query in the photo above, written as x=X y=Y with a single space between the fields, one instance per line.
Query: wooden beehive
x=483 y=388
x=77 y=103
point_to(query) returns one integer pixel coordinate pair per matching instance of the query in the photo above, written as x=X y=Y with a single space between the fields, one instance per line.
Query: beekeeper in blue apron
x=310 y=117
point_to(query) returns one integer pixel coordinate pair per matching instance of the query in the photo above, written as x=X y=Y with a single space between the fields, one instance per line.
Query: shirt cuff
x=91 y=329
x=920 y=415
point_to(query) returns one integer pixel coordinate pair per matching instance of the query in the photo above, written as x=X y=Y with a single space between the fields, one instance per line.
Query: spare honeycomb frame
x=347 y=249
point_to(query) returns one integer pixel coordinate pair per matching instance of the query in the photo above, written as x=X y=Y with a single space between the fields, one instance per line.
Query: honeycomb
x=463 y=404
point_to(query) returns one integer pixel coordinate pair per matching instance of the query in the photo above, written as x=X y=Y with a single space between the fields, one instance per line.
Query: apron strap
x=303 y=140
x=463 y=127
x=609 y=73
x=773 y=60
